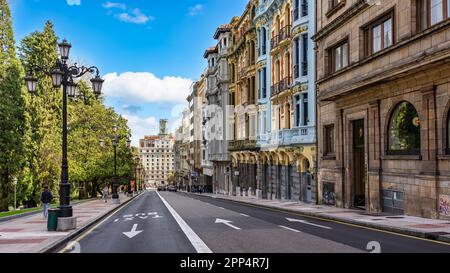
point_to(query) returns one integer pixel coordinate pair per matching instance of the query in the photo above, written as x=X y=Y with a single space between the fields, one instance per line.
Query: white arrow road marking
x=245 y=215
x=226 y=222
x=306 y=223
x=133 y=232
x=291 y=229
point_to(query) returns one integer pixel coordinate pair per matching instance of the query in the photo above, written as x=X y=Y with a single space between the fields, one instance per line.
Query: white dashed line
x=291 y=229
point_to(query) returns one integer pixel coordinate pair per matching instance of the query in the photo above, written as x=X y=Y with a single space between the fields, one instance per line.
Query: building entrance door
x=359 y=170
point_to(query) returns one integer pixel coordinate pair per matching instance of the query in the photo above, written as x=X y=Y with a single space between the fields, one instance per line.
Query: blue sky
x=148 y=50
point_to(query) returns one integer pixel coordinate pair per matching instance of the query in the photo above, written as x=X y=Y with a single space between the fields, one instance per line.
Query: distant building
x=157 y=155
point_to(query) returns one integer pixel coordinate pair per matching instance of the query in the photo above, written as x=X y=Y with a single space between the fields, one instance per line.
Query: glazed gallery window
x=339 y=57
x=329 y=140
x=404 y=131
x=431 y=12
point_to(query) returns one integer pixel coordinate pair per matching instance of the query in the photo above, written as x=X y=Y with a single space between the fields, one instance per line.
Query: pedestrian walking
x=105 y=193
x=46 y=199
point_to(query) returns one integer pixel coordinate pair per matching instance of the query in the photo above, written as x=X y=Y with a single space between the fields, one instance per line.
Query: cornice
x=341 y=20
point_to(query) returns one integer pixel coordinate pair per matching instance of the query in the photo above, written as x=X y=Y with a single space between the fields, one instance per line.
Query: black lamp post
x=115 y=141
x=64 y=74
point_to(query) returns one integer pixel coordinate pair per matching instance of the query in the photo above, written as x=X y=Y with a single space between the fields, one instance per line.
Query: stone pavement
x=29 y=234
x=408 y=225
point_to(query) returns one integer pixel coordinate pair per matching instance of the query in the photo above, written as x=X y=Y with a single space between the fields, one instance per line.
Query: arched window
x=404 y=130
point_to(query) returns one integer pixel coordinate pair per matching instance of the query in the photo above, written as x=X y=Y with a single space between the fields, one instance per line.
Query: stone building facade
x=383 y=85
x=157 y=155
x=243 y=95
x=287 y=135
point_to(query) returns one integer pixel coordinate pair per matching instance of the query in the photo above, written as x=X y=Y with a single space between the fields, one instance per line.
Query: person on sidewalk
x=46 y=199
x=105 y=193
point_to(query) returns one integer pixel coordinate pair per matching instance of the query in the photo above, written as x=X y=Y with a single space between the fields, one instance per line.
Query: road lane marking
x=64 y=250
x=302 y=214
x=195 y=240
x=245 y=215
x=306 y=223
x=221 y=208
x=226 y=222
x=291 y=229
x=133 y=233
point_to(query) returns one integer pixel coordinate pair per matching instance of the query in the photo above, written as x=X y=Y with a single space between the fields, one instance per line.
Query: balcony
x=283 y=34
x=242 y=145
x=288 y=137
x=280 y=87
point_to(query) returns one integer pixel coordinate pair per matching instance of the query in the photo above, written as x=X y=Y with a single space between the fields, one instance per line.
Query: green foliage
x=12 y=108
x=30 y=126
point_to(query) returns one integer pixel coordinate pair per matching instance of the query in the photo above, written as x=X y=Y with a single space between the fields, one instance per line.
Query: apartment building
x=286 y=135
x=157 y=155
x=383 y=105
x=217 y=94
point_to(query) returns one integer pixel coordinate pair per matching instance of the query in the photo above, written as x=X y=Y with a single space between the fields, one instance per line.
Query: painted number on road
x=137 y=216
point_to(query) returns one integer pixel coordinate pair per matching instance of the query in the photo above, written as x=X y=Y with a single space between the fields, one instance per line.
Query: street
x=165 y=222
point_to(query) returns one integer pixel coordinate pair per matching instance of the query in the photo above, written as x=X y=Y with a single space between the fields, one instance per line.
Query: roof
x=211 y=50
x=222 y=29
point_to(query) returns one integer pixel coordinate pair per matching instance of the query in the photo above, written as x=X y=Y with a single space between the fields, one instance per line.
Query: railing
x=284 y=33
x=240 y=145
x=286 y=137
x=281 y=86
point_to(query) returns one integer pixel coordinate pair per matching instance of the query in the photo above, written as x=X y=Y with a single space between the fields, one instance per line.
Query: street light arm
x=77 y=72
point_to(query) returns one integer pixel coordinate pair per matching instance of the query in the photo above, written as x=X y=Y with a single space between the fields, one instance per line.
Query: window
x=335 y=3
x=339 y=57
x=431 y=12
x=297 y=58
x=404 y=131
x=305 y=110
x=304 y=54
x=304 y=8
x=379 y=34
x=329 y=141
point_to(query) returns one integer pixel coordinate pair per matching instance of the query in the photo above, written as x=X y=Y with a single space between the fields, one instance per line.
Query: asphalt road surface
x=164 y=222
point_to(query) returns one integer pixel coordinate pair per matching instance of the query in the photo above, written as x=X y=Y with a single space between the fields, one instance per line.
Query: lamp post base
x=67 y=223
x=115 y=201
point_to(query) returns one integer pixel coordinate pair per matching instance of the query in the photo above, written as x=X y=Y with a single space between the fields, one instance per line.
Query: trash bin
x=52 y=221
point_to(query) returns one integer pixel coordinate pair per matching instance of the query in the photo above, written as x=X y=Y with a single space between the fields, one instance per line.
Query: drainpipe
x=343 y=156
x=380 y=160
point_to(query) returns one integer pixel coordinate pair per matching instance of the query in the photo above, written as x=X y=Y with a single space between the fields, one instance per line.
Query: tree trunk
x=4 y=179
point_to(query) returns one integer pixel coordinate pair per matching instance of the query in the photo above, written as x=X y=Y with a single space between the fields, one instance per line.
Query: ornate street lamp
x=64 y=75
x=115 y=141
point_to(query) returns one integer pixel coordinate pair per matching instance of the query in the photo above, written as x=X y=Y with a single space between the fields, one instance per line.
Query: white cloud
x=111 y=5
x=141 y=87
x=133 y=15
x=141 y=127
x=195 y=10
x=73 y=2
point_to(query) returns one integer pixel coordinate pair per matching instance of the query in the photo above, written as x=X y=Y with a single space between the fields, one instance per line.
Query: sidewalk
x=29 y=234
x=408 y=225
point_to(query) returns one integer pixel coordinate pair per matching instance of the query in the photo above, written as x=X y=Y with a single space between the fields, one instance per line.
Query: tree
x=12 y=108
x=39 y=49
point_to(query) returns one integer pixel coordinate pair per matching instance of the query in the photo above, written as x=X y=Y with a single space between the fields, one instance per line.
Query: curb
x=404 y=231
x=63 y=241
x=22 y=215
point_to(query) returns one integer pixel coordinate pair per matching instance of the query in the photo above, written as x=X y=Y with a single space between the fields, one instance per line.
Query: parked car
x=162 y=188
x=172 y=188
